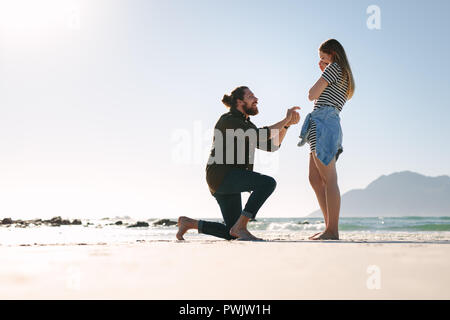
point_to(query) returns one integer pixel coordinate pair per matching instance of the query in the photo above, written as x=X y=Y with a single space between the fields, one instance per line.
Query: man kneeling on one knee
x=230 y=166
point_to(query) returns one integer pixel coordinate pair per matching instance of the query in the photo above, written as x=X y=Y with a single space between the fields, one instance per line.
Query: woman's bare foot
x=314 y=235
x=326 y=235
x=184 y=224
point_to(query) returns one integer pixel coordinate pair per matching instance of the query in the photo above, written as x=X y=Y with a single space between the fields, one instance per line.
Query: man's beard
x=250 y=110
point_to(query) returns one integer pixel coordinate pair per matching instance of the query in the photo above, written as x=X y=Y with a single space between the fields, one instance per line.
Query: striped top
x=335 y=94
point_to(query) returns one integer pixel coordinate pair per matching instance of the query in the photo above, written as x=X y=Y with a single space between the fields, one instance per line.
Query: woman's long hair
x=336 y=50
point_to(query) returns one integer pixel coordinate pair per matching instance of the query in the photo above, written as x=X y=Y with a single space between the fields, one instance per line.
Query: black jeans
x=228 y=196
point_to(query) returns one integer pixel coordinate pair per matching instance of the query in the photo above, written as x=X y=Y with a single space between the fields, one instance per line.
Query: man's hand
x=292 y=116
x=295 y=119
x=277 y=131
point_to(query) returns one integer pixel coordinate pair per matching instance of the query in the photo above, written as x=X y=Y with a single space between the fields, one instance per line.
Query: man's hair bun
x=227 y=100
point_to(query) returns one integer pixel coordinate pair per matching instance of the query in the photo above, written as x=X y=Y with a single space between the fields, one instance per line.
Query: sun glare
x=31 y=18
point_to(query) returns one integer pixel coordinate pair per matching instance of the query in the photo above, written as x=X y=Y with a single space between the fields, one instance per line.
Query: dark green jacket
x=240 y=147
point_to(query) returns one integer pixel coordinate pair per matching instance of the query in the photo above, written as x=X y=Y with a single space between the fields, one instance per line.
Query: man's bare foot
x=326 y=235
x=243 y=235
x=184 y=224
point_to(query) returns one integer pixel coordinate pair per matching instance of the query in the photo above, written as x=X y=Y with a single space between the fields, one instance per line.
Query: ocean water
x=104 y=231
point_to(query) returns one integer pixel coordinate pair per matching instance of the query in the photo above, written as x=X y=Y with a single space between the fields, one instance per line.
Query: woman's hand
x=322 y=65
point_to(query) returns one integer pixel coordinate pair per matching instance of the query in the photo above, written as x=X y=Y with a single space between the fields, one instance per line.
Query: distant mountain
x=399 y=194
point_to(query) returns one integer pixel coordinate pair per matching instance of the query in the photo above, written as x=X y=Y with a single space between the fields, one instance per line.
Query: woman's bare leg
x=333 y=198
x=318 y=186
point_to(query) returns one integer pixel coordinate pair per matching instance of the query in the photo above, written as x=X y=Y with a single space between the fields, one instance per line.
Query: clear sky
x=107 y=106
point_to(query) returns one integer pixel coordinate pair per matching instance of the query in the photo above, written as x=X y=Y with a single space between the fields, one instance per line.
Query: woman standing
x=322 y=130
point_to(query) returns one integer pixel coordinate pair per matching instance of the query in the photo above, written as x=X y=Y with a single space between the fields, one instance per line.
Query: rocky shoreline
x=54 y=222
x=58 y=221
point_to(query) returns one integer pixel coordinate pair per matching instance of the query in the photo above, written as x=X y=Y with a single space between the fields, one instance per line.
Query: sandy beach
x=209 y=269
